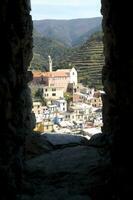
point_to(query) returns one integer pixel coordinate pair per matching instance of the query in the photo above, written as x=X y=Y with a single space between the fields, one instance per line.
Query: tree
x=69 y=98
x=39 y=95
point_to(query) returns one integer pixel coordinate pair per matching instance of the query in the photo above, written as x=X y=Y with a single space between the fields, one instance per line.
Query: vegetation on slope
x=88 y=59
x=44 y=47
x=68 y=32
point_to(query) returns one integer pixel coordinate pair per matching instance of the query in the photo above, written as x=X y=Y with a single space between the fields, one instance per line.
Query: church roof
x=65 y=70
x=50 y=74
x=55 y=74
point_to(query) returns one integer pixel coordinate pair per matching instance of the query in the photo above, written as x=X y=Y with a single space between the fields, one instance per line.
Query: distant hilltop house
x=55 y=83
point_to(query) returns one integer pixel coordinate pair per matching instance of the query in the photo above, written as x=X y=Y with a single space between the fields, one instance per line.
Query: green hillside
x=44 y=47
x=89 y=60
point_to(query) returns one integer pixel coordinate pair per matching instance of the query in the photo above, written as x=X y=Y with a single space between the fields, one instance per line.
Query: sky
x=65 y=9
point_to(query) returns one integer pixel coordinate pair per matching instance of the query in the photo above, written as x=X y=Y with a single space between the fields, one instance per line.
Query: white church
x=72 y=73
x=55 y=83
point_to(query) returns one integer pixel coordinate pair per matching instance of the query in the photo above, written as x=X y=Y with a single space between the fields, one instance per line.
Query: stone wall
x=15 y=100
x=118 y=84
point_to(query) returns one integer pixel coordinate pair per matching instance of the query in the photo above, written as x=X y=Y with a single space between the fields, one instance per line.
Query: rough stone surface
x=36 y=145
x=15 y=107
x=78 y=172
x=64 y=139
x=117 y=79
x=15 y=100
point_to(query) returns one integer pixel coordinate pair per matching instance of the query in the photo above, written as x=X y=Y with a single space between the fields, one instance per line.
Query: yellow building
x=44 y=126
x=53 y=92
x=48 y=126
x=39 y=127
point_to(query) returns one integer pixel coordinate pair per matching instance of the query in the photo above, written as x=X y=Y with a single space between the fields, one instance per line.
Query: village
x=66 y=106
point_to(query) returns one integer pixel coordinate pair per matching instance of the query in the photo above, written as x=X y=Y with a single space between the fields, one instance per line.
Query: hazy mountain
x=69 y=32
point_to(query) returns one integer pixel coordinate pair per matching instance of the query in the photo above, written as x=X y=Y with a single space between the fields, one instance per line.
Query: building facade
x=61 y=105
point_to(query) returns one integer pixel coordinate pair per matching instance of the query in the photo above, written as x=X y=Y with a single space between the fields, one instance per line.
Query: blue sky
x=65 y=9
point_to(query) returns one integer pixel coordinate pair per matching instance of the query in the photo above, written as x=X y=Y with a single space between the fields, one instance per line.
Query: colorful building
x=57 y=79
x=61 y=105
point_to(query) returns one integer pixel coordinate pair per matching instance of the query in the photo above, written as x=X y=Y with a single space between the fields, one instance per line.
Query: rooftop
x=60 y=73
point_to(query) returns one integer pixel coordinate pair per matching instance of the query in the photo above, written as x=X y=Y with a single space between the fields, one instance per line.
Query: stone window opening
x=15 y=99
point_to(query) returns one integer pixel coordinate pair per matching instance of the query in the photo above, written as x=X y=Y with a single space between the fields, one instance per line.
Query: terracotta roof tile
x=36 y=73
x=50 y=74
x=55 y=74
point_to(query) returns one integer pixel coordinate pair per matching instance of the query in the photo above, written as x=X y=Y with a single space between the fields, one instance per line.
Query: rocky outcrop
x=37 y=144
x=70 y=169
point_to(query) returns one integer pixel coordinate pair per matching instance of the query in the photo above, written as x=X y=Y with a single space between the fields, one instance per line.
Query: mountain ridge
x=67 y=31
x=85 y=52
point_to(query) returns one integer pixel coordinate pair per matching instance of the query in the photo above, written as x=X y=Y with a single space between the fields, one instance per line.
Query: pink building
x=57 y=79
x=37 y=77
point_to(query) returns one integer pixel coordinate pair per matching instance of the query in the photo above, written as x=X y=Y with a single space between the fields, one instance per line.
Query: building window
x=53 y=94
x=53 y=89
x=46 y=90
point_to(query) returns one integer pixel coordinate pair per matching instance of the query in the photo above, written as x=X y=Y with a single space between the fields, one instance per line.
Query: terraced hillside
x=89 y=60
